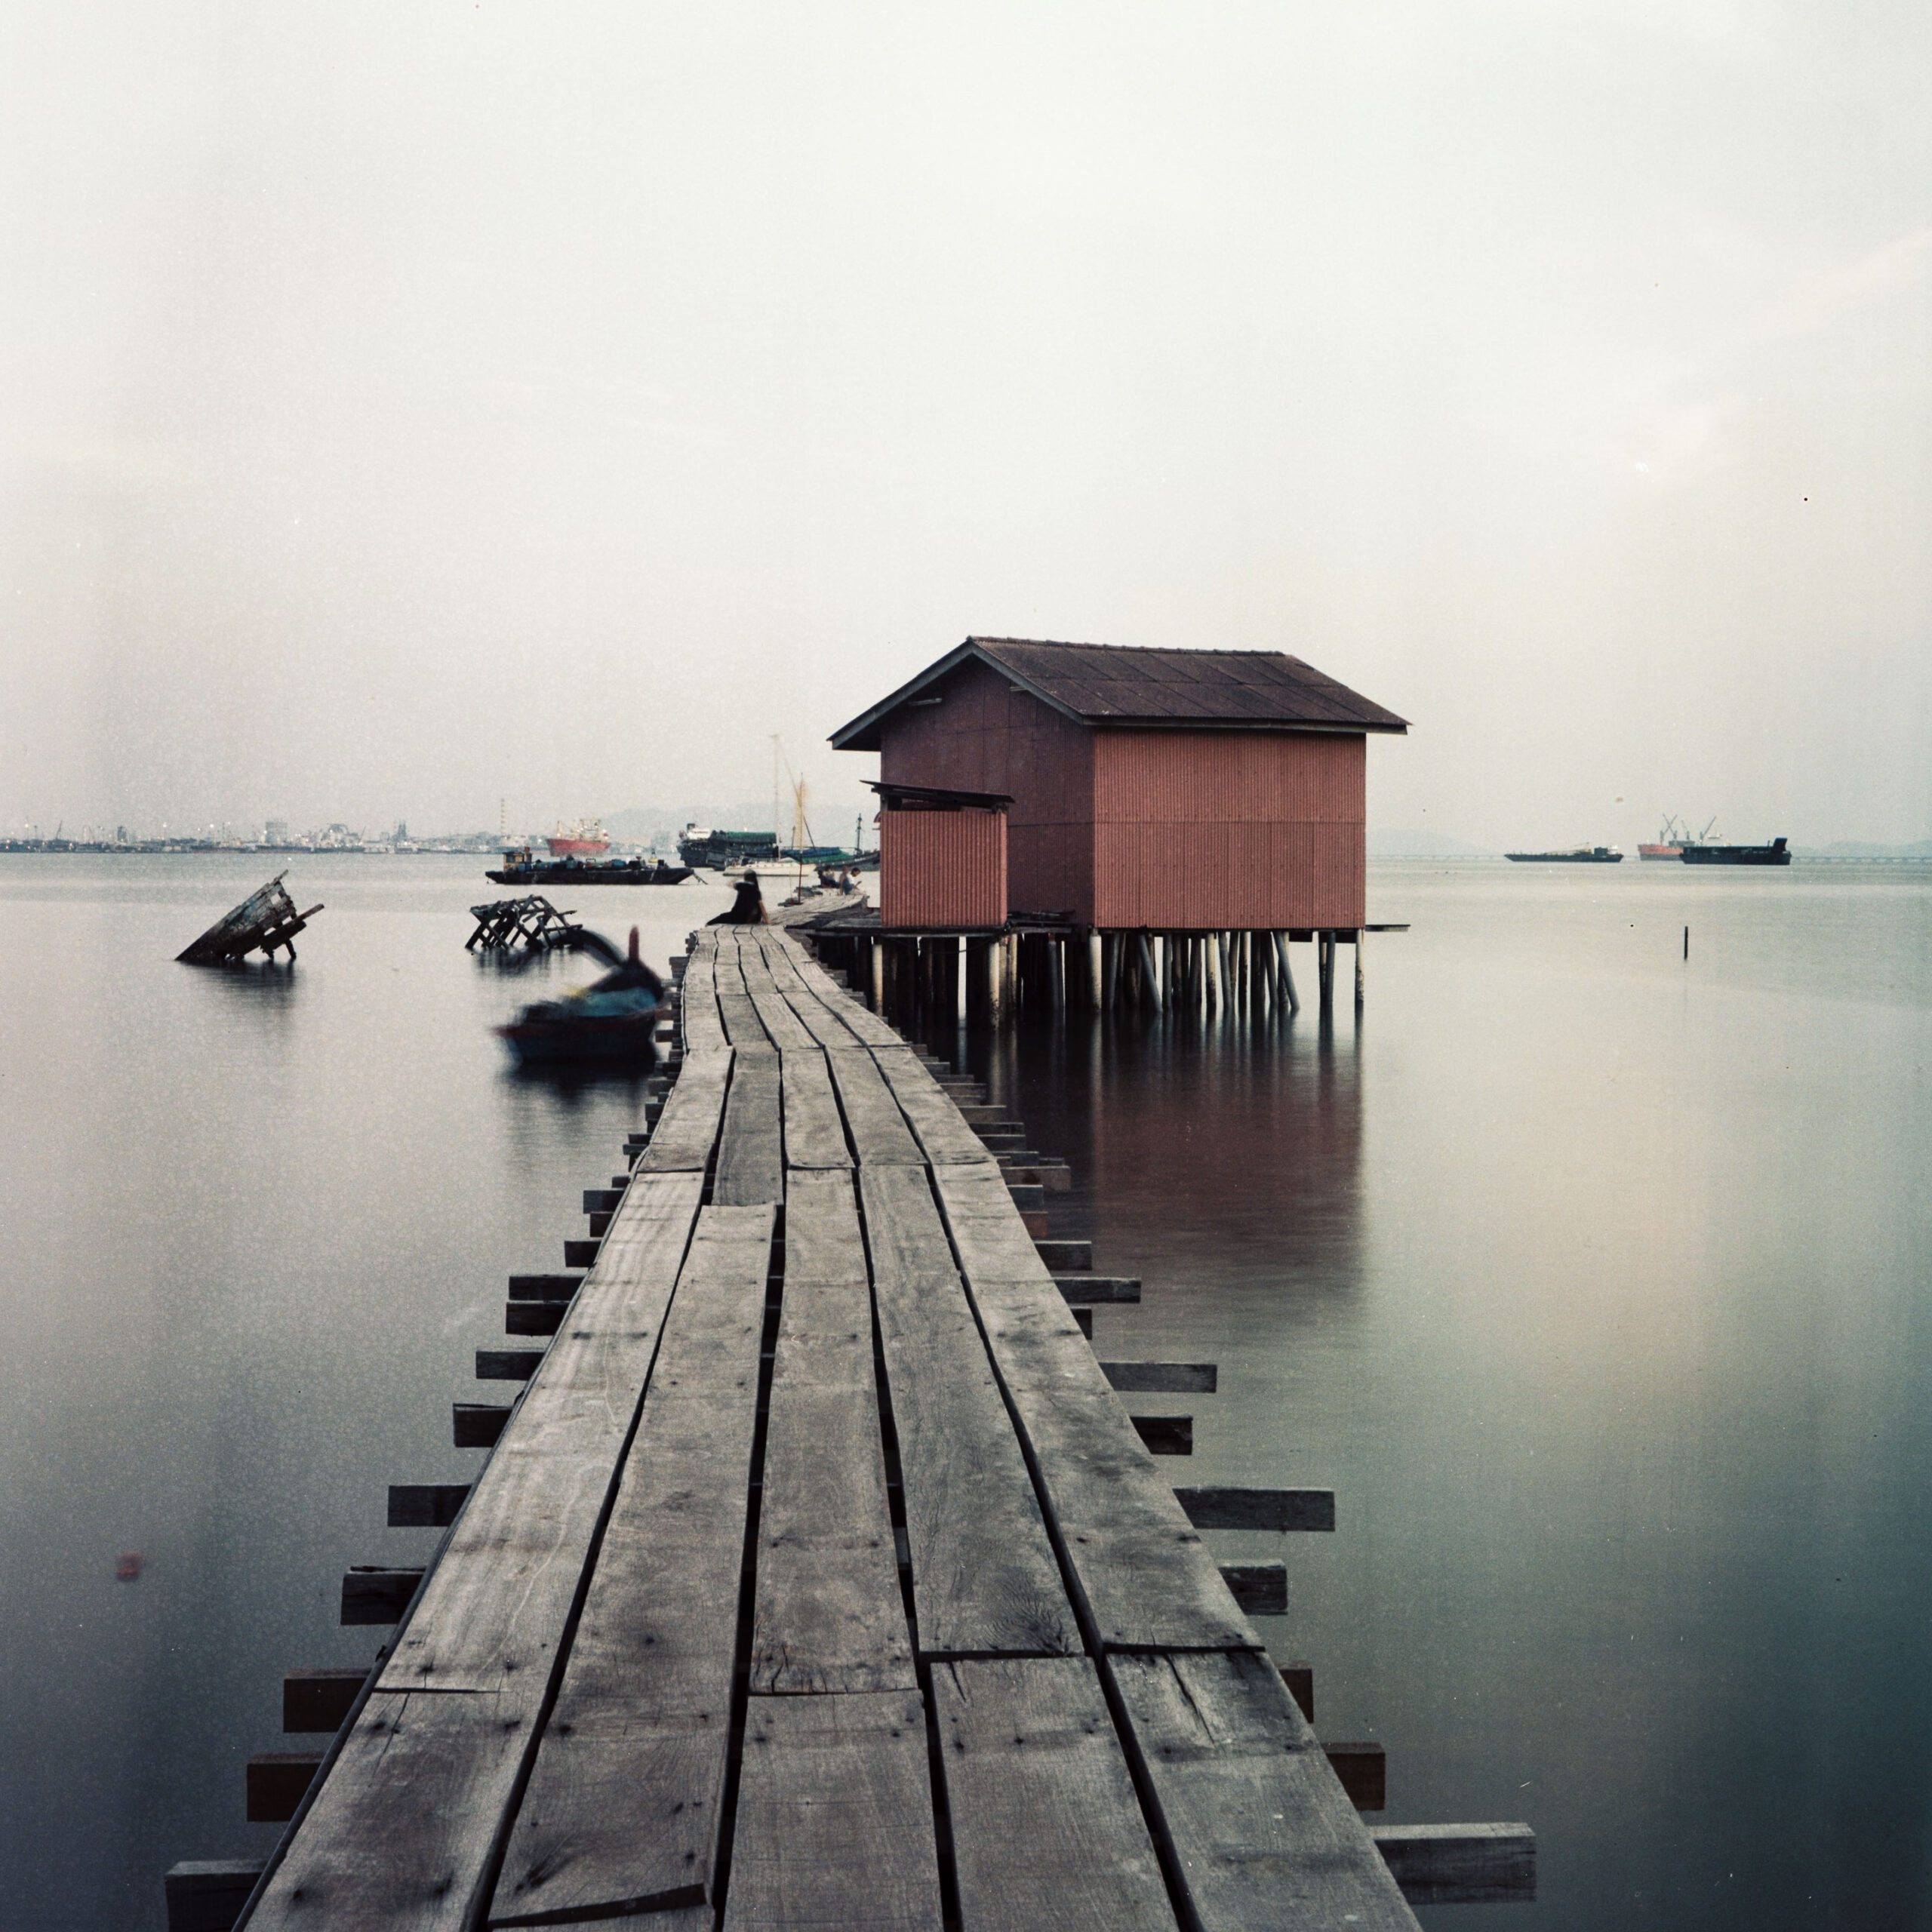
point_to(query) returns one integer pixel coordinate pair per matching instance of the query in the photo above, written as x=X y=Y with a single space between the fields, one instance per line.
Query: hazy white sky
x=403 y=406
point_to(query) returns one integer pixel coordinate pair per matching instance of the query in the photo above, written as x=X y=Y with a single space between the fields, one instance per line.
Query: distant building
x=1174 y=790
x=276 y=831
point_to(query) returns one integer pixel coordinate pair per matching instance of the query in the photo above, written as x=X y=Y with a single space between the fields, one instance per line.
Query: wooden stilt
x=1056 y=966
x=875 y=974
x=1094 y=970
x=1324 y=957
x=1358 y=976
x=959 y=977
x=1287 y=974
x=1146 y=954
x=1113 y=946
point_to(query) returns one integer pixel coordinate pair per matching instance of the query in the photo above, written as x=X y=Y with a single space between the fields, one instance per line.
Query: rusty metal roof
x=1103 y=684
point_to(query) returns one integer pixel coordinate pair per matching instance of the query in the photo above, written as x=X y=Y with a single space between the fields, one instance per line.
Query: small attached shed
x=942 y=859
x=1163 y=790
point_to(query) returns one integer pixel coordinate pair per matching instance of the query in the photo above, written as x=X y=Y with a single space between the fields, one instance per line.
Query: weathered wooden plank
x=1211 y=1508
x=991 y=1240
x=1460 y=1864
x=822 y=1242
x=751 y=1169
x=1047 y=1830
x=399 y=1834
x=493 y=1609
x=319 y=1697
x=206 y=1894
x=1260 y=1588
x=1260 y=1829
x=937 y=1120
x=828 y=1614
x=877 y=1128
x=819 y=1003
x=835 y=1824
x=984 y=1578
x=1162 y=1378
x=814 y=1132
x=687 y=1129
x=623 y=1799
x=1147 y=1579
x=698 y=1017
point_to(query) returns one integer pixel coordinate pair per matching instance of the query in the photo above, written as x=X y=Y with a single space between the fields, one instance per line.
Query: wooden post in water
x=1287 y=974
x=959 y=978
x=1146 y=953
x=875 y=972
x=1324 y=955
x=1057 y=968
x=1094 y=970
x=1359 y=972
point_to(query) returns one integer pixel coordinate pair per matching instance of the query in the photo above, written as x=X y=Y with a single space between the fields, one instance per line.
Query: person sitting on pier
x=747 y=909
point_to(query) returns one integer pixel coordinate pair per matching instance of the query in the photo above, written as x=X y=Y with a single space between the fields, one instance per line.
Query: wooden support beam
x=1083 y=1320
x=602 y=1200
x=1461 y=1864
x=1363 y=1768
x=425 y=1506
x=1070 y=1255
x=207 y=1894
x=1084 y=1290
x=319 y=1699
x=277 y=1780
x=1162 y=1378
x=477 y=1425
x=532 y=1318
x=1260 y=1588
x=1028 y=1198
x=372 y=1593
x=1300 y=1677
x=507 y=1364
x=544 y=1287
x=580 y=1254
x=1166 y=1435
x=1219 y=1509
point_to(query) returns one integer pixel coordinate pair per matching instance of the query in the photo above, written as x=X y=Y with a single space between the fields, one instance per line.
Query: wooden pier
x=819 y=1575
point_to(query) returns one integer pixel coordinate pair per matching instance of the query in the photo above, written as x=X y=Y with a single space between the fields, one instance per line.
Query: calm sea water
x=1592 y=1280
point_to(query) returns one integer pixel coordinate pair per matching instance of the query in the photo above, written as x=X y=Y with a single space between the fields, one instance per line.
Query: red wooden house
x=1170 y=790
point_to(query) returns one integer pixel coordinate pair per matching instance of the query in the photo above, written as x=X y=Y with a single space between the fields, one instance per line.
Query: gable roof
x=1103 y=684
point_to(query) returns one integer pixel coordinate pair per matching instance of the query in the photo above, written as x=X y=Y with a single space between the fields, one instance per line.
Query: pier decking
x=819 y=1576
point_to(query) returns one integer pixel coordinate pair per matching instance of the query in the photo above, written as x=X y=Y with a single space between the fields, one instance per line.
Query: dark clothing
x=747 y=909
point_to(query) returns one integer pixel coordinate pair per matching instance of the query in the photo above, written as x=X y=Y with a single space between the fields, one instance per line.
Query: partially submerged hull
x=1584 y=855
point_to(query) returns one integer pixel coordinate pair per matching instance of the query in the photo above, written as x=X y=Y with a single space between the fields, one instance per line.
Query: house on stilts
x=1167 y=822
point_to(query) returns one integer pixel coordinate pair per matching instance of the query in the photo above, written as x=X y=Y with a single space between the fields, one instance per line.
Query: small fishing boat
x=612 y=1021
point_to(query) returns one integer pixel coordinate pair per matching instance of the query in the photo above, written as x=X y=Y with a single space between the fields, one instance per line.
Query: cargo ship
x=1670 y=841
x=700 y=846
x=1774 y=854
x=587 y=839
x=1584 y=855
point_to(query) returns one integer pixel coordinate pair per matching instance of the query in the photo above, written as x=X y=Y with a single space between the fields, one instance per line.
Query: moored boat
x=1775 y=852
x=521 y=867
x=612 y=1021
x=1584 y=855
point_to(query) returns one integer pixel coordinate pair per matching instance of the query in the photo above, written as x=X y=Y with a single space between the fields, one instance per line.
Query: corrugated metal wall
x=982 y=736
x=940 y=868
x=1170 y=829
x=1210 y=829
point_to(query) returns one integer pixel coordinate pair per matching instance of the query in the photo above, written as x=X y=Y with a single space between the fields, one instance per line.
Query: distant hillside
x=1419 y=845
x=1854 y=848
